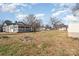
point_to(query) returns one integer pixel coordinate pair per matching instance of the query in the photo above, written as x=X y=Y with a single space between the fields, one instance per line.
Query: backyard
x=45 y=43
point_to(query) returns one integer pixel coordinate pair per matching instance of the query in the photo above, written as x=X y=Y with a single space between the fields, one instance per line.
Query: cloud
x=53 y=10
x=1 y=4
x=76 y=13
x=57 y=13
x=9 y=7
x=20 y=16
x=75 y=10
x=64 y=12
x=62 y=7
x=40 y=15
x=66 y=5
x=70 y=18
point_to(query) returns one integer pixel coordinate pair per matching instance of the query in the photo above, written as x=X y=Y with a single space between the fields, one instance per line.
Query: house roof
x=20 y=24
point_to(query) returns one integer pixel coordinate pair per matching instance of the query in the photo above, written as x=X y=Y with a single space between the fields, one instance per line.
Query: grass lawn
x=40 y=43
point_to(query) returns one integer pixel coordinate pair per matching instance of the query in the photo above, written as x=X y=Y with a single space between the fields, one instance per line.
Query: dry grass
x=40 y=43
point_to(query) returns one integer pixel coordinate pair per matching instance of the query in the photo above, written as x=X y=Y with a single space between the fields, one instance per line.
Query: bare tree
x=55 y=22
x=33 y=22
x=1 y=24
x=48 y=26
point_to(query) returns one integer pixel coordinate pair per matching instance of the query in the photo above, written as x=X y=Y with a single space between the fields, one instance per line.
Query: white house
x=73 y=30
x=16 y=27
x=62 y=27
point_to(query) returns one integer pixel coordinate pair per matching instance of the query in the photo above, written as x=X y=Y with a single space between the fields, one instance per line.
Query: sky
x=17 y=11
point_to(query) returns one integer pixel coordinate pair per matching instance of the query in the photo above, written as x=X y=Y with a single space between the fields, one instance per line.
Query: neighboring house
x=16 y=27
x=61 y=27
x=45 y=28
x=42 y=29
x=73 y=30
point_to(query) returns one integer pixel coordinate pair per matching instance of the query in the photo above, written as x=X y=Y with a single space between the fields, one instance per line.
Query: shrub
x=5 y=36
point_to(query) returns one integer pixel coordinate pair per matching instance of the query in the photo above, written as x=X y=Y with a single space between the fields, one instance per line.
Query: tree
x=33 y=22
x=55 y=22
x=48 y=26
x=1 y=24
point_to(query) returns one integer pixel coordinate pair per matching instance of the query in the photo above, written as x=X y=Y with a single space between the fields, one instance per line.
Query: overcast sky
x=41 y=10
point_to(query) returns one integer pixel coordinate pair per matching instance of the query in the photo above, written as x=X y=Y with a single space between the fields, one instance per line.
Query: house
x=42 y=29
x=73 y=30
x=16 y=27
x=61 y=27
x=45 y=28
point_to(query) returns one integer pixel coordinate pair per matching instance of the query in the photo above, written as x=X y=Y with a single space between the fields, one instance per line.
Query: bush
x=5 y=36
